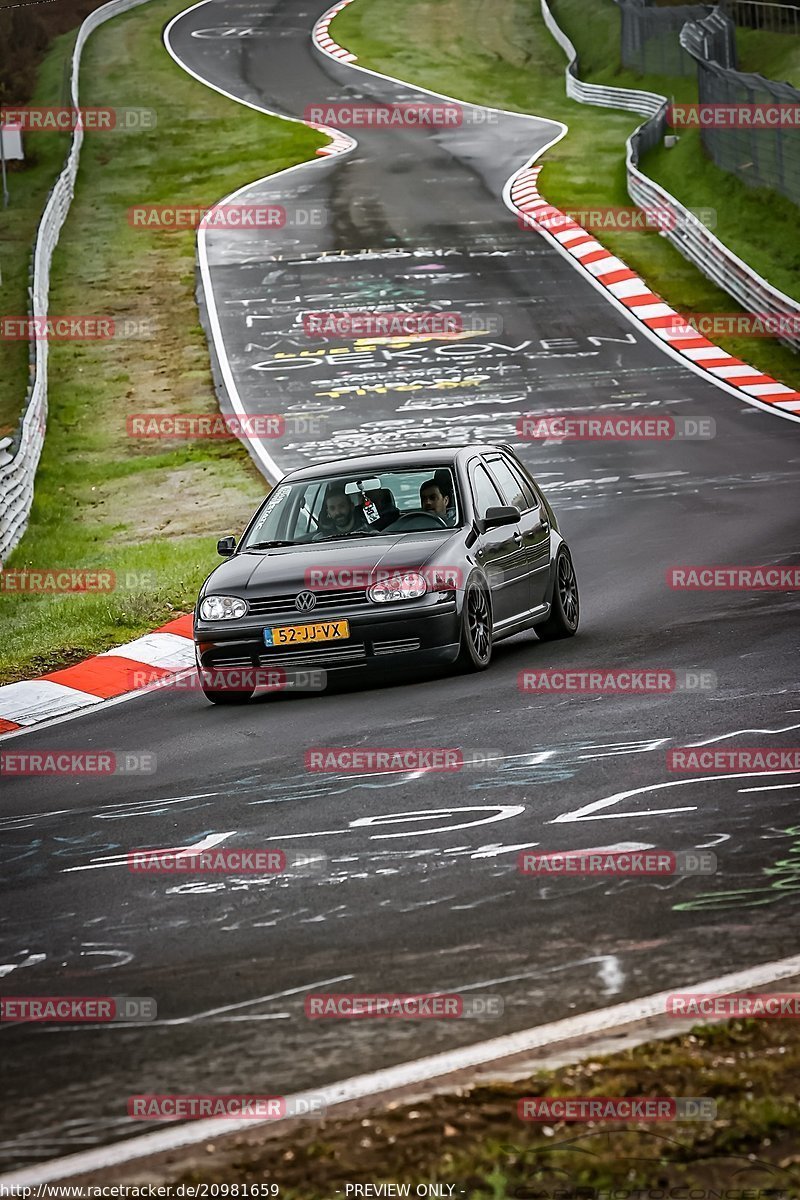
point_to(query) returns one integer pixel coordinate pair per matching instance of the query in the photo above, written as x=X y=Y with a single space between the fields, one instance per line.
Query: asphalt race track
x=419 y=890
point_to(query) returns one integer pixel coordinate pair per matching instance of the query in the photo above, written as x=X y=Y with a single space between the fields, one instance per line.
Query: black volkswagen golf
x=422 y=557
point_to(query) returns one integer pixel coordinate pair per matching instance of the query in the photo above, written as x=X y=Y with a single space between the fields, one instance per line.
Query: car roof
x=390 y=460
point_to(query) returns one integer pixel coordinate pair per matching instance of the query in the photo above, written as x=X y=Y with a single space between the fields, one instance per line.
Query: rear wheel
x=476 y=629
x=565 y=606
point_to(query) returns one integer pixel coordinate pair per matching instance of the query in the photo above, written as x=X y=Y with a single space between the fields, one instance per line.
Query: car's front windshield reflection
x=347 y=506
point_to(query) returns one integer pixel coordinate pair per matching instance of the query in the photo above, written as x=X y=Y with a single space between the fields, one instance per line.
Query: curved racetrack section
x=421 y=890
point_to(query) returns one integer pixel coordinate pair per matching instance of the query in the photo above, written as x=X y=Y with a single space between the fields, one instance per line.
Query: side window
x=484 y=491
x=512 y=485
x=527 y=489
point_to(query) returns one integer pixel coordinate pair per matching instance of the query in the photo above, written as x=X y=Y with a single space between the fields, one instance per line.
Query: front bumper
x=401 y=635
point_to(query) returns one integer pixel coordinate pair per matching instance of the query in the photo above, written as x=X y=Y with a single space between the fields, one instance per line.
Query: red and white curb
x=321 y=35
x=340 y=143
x=641 y=302
x=159 y=655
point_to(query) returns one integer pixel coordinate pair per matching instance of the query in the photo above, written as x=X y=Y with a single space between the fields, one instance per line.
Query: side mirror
x=226 y=547
x=501 y=514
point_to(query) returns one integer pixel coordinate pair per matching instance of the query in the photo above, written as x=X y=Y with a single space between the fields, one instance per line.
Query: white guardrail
x=19 y=455
x=689 y=236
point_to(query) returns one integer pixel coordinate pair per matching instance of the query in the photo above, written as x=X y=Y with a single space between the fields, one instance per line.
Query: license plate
x=299 y=635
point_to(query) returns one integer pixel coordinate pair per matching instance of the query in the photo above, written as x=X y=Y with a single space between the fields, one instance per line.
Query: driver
x=341 y=513
x=435 y=498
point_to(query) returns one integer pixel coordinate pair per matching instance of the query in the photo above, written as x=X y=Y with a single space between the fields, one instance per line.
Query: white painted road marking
x=120 y=860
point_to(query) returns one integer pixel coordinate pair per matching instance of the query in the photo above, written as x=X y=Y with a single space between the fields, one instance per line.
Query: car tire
x=565 y=609
x=224 y=695
x=217 y=696
x=475 y=652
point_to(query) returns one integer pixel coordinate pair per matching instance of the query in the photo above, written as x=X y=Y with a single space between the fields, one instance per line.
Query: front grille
x=220 y=658
x=397 y=646
x=317 y=656
x=326 y=602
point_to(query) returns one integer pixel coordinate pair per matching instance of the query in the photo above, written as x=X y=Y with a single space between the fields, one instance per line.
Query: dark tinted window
x=485 y=493
x=512 y=485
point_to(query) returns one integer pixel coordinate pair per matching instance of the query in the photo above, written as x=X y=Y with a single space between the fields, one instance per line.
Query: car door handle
x=518 y=537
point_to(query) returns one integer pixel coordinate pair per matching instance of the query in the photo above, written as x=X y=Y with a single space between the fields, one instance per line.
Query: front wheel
x=235 y=691
x=565 y=606
x=476 y=629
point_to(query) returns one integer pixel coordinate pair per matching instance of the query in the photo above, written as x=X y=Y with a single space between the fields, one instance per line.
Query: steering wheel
x=410 y=521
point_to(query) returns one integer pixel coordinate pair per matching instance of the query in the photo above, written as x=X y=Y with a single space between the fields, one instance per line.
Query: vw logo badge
x=305 y=602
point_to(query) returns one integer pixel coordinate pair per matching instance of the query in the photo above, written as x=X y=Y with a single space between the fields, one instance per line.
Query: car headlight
x=222 y=608
x=398 y=587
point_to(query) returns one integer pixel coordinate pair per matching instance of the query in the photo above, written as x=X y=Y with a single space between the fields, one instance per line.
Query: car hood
x=283 y=569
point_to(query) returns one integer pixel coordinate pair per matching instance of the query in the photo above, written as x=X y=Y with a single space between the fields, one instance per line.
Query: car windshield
x=348 y=506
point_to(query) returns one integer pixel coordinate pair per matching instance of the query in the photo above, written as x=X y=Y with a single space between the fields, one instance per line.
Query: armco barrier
x=687 y=234
x=20 y=458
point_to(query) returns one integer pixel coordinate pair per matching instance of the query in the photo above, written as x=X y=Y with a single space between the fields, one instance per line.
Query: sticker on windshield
x=277 y=496
x=275 y=499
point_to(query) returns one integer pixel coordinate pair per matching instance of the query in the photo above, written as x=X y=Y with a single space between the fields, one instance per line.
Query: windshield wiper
x=270 y=545
x=337 y=537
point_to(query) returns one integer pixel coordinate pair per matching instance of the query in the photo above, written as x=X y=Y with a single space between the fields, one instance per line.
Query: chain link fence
x=758 y=150
x=689 y=236
x=650 y=38
x=763 y=14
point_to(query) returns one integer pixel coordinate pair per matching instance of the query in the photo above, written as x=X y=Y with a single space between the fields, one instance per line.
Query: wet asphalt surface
x=419 y=890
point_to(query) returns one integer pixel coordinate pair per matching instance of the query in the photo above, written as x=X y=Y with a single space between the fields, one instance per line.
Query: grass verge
x=149 y=512
x=473 y=1140
x=757 y=224
x=507 y=58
